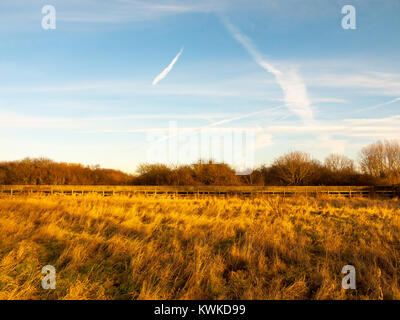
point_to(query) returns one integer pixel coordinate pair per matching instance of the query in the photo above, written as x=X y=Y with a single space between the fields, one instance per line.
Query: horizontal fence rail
x=184 y=191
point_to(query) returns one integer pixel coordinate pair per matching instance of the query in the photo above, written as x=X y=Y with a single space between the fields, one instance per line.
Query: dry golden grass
x=209 y=248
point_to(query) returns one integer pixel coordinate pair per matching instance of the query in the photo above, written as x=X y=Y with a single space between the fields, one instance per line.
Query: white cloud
x=168 y=69
x=263 y=140
x=376 y=128
x=328 y=100
x=109 y=12
x=293 y=87
x=216 y=88
x=15 y=120
x=371 y=82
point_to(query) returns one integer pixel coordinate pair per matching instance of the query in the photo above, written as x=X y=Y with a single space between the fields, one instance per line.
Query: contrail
x=217 y=123
x=164 y=73
x=293 y=87
x=378 y=105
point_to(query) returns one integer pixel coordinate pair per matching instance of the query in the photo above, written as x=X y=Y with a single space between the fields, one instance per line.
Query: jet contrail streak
x=378 y=105
x=292 y=85
x=164 y=73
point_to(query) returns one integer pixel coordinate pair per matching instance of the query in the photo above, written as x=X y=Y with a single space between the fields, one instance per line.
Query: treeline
x=47 y=172
x=293 y=169
x=378 y=164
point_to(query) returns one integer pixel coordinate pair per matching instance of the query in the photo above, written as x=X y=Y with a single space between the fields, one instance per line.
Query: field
x=161 y=247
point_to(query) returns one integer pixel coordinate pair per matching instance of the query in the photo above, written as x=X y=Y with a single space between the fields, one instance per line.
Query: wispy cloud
x=379 y=105
x=368 y=82
x=224 y=121
x=375 y=128
x=167 y=70
x=109 y=12
x=16 y=120
x=291 y=83
x=141 y=87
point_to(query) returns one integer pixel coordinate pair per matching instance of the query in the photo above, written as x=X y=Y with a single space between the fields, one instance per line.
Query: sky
x=123 y=82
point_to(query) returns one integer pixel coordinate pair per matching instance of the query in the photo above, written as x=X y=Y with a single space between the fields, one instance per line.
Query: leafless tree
x=339 y=163
x=382 y=160
x=294 y=168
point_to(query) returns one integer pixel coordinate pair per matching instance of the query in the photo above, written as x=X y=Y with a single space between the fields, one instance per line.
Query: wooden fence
x=245 y=191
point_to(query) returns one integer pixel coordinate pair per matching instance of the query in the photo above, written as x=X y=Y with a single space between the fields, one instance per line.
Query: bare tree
x=382 y=160
x=339 y=163
x=294 y=168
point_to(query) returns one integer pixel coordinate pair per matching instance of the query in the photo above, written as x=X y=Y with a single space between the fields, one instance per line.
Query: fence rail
x=246 y=191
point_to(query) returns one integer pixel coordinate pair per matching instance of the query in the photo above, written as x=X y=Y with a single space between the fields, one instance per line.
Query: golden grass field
x=205 y=248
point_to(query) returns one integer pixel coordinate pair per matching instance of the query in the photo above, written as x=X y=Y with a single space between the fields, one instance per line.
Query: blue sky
x=286 y=69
